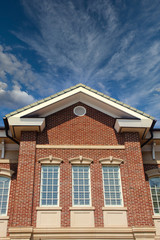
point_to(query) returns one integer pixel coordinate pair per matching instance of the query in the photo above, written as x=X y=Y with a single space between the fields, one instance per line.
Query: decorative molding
x=94 y=233
x=115 y=147
x=8 y=161
x=153 y=172
x=111 y=161
x=80 y=160
x=6 y=172
x=50 y=160
x=20 y=232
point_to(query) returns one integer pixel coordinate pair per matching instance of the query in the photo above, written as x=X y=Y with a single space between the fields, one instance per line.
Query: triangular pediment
x=34 y=115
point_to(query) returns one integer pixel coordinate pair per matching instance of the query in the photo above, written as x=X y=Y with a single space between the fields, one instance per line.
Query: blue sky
x=111 y=46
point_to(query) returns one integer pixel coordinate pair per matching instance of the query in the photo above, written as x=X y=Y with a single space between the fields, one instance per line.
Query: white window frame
x=58 y=192
x=153 y=173
x=157 y=214
x=5 y=214
x=120 y=185
x=6 y=173
x=112 y=162
x=78 y=205
x=50 y=161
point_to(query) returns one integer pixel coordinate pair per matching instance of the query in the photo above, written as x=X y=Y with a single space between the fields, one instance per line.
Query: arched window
x=5 y=177
x=155 y=192
x=4 y=194
x=154 y=180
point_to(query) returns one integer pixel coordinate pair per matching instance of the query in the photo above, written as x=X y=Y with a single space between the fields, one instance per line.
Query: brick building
x=79 y=165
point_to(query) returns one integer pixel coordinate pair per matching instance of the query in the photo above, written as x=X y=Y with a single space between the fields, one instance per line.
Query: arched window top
x=155 y=192
x=4 y=194
x=50 y=160
x=80 y=160
x=153 y=173
x=111 y=161
x=6 y=172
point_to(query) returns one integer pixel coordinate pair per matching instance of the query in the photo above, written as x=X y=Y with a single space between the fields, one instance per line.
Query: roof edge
x=72 y=88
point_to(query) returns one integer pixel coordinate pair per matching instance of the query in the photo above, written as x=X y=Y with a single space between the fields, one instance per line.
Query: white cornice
x=132 y=123
x=76 y=95
x=50 y=160
x=111 y=161
x=80 y=160
x=6 y=172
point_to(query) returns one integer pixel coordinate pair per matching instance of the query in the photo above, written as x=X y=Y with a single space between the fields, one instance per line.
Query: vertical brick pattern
x=25 y=180
x=139 y=212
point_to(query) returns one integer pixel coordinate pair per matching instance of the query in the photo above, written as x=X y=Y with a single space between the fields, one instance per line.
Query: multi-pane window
x=49 y=186
x=81 y=185
x=155 y=191
x=112 y=186
x=4 y=194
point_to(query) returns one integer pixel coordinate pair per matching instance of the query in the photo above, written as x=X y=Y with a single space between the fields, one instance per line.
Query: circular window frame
x=79 y=115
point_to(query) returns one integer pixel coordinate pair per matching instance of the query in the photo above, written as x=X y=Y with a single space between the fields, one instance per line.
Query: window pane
x=81 y=188
x=155 y=192
x=4 y=192
x=112 y=188
x=49 y=185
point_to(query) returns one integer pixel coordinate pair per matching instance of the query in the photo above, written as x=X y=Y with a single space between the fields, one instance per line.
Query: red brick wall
x=25 y=180
x=94 y=128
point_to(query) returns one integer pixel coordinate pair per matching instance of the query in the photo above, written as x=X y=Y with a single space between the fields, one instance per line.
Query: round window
x=79 y=111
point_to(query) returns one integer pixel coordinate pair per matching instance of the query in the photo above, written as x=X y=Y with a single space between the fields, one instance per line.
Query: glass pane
x=81 y=189
x=112 y=188
x=4 y=192
x=49 y=185
x=155 y=192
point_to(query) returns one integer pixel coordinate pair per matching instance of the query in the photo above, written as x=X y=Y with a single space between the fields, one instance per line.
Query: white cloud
x=102 y=44
x=14 y=98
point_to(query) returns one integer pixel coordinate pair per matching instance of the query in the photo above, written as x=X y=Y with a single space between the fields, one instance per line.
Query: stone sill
x=156 y=216
x=114 y=209
x=82 y=208
x=49 y=208
x=4 y=217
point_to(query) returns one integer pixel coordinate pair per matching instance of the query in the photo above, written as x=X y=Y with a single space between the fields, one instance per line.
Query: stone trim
x=50 y=160
x=48 y=208
x=114 y=208
x=6 y=172
x=116 y=147
x=4 y=217
x=20 y=232
x=111 y=161
x=95 y=233
x=82 y=208
x=80 y=160
x=2 y=160
x=153 y=173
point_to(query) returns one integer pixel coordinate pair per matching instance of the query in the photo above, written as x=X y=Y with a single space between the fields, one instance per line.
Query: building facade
x=79 y=165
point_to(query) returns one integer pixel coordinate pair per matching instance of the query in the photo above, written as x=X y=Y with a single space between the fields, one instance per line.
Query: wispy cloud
x=109 y=45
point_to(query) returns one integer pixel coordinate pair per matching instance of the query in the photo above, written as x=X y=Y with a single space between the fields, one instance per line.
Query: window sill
x=114 y=208
x=4 y=217
x=49 y=208
x=82 y=208
x=156 y=216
